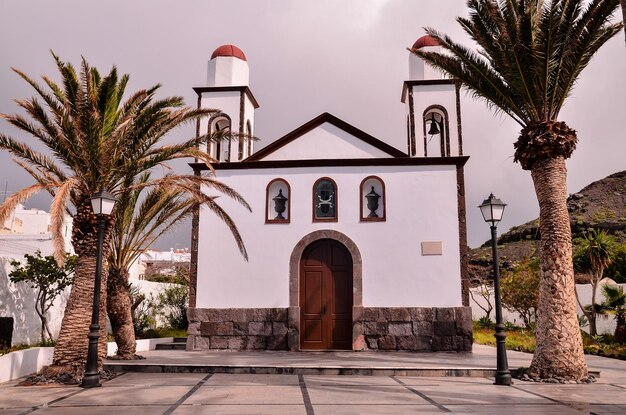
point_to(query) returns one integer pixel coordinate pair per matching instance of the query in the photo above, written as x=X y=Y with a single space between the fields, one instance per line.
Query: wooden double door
x=326 y=297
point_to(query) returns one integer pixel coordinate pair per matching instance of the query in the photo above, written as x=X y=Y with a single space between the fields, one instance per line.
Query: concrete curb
x=22 y=363
x=17 y=364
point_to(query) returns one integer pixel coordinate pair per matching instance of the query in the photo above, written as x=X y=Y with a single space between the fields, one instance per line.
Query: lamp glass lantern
x=492 y=209
x=102 y=203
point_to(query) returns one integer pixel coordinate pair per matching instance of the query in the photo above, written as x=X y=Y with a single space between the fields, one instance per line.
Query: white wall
x=419 y=70
x=17 y=300
x=421 y=206
x=604 y=324
x=227 y=71
x=326 y=142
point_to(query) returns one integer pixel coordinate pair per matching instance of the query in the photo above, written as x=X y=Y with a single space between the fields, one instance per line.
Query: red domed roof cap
x=425 y=40
x=227 y=51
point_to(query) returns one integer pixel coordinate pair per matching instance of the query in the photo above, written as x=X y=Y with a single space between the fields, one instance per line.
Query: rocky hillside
x=602 y=204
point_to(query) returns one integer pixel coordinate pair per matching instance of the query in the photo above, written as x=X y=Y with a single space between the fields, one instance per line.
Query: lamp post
x=102 y=204
x=492 y=210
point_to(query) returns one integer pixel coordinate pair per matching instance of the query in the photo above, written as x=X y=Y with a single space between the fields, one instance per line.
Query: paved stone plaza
x=204 y=393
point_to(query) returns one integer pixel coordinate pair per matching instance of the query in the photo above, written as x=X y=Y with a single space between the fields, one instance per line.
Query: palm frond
x=16 y=198
x=531 y=52
x=57 y=211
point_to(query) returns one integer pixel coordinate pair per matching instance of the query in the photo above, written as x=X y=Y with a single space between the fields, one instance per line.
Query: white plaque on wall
x=432 y=248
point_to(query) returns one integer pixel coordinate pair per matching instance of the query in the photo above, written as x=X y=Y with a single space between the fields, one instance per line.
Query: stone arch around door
x=294 y=286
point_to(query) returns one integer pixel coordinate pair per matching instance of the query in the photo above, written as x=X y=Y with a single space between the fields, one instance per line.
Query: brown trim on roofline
x=195 y=230
x=317 y=121
x=198 y=125
x=275 y=164
x=458 y=116
x=413 y=148
x=200 y=89
x=408 y=84
x=463 y=250
x=241 y=109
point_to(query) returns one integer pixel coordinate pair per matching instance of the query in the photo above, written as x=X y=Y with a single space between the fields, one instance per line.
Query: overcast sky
x=348 y=58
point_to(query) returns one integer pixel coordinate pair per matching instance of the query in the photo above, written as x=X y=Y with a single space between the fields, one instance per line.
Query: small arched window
x=219 y=130
x=278 y=202
x=325 y=200
x=436 y=132
x=373 y=200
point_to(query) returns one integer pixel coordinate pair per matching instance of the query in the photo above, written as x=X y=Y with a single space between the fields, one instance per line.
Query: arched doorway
x=326 y=296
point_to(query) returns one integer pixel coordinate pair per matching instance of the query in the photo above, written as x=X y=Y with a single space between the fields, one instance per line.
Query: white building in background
x=26 y=232
x=28 y=222
x=159 y=262
x=353 y=244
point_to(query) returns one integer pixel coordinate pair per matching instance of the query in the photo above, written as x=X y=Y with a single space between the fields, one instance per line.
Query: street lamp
x=492 y=210
x=102 y=204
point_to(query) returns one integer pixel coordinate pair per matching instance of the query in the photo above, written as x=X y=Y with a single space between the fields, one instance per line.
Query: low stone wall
x=415 y=329
x=420 y=329
x=237 y=329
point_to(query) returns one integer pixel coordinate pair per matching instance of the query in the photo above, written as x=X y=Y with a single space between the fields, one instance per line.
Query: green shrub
x=484 y=323
x=520 y=291
x=174 y=301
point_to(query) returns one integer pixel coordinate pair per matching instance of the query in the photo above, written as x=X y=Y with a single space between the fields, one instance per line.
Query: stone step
x=121 y=366
x=171 y=346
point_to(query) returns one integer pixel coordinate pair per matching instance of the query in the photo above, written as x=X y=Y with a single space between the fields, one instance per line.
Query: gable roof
x=318 y=121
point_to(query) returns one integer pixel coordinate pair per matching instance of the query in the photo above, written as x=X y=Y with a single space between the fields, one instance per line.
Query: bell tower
x=433 y=107
x=227 y=90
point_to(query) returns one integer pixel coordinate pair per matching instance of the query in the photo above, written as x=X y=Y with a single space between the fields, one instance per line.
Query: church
x=353 y=244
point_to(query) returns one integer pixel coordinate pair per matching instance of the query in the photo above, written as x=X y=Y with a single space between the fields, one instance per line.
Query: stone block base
x=237 y=328
x=418 y=329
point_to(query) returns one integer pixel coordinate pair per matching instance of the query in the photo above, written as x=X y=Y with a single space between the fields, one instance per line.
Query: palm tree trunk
x=119 y=310
x=559 y=349
x=70 y=351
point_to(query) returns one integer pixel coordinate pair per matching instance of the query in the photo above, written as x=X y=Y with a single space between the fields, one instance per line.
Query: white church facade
x=353 y=244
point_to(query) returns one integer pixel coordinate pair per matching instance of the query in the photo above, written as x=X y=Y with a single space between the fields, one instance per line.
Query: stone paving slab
x=608 y=409
x=518 y=409
x=327 y=394
x=12 y=396
x=155 y=379
x=102 y=410
x=449 y=394
x=221 y=379
x=375 y=409
x=596 y=393
x=339 y=381
x=126 y=396
x=240 y=410
x=257 y=395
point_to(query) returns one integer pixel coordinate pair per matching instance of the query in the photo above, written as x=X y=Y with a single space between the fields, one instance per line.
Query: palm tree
x=595 y=253
x=96 y=142
x=623 y=3
x=140 y=222
x=615 y=303
x=531 y=54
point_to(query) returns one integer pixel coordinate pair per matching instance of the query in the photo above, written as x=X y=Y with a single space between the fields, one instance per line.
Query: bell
x=434 y=127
